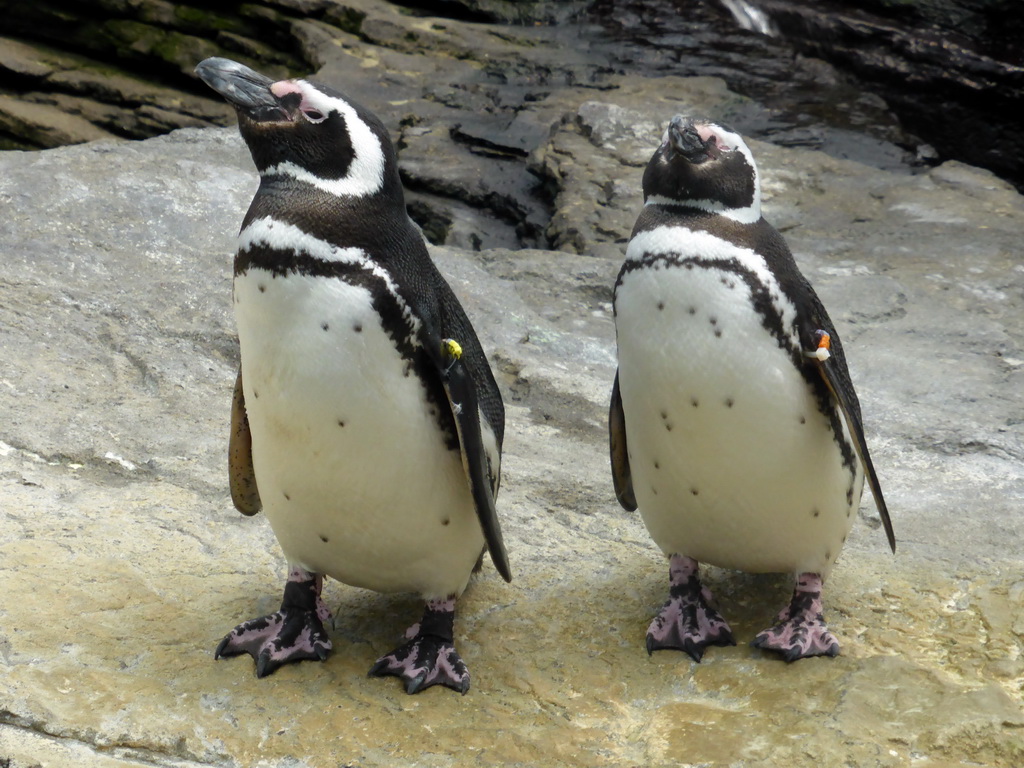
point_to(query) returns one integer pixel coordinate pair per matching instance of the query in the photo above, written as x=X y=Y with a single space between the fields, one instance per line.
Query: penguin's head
x=306 y=130
x=704 y=165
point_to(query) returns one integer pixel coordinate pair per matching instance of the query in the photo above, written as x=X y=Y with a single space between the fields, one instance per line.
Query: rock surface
x=122 y=562
x=950 y=70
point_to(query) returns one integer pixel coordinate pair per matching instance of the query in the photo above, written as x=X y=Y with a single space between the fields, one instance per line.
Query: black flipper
x=482 y=482
x=241 y=475
x=621 y=476
x=838 y=383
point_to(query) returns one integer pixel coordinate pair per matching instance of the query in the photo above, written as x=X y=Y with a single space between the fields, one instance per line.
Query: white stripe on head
x=365 y=174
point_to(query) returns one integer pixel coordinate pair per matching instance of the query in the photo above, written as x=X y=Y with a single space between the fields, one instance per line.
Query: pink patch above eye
x=284 y=87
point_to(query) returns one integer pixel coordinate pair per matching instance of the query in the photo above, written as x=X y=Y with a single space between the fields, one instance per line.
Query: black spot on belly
x=694 y=492
x=664 y=415
x=325 y=326
x=263 y=288
x=729 y=402
x=828 y=554
x=654 y=490
x=803 y=419
x=692 y=310
x=661 y=305
x=816 y=513
x=446 y=521
x=286 y=496
x=255 y=394
x=323 y=538
x=657 y=465
x=713 y=320
x=341 y=422
x=358 y=327
x=718 y=333
x=668 y=426
x=694 y=402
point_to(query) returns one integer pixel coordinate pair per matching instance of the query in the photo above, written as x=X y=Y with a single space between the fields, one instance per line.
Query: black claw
x=415 y=684
x=221 y=647
x=264 y=666
x=693 y=650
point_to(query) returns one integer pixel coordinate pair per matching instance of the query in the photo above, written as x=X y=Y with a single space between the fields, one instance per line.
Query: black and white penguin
x=734 y=425
x=366 y=421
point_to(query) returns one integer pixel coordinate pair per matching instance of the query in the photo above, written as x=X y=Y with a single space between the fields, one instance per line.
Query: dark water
x=904 y=92
x=805 y=101
x=800 y=101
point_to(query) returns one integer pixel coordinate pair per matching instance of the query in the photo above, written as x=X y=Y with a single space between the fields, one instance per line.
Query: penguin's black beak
x=684 y=139
x=245 y=89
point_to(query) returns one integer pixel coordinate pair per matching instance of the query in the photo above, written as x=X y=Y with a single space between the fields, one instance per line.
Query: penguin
x=734 y=426
x=366 y=422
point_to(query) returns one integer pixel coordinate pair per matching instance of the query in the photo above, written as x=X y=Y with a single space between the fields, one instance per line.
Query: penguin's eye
x=314 y=115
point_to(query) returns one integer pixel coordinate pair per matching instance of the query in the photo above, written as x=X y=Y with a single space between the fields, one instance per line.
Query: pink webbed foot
x=429 y=658
x=293 y=633
x=800 y=631
x=687 y=622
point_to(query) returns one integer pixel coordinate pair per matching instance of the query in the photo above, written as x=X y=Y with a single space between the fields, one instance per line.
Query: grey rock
x=122 y=562
x=431 y=162
x=911 y=52
x=46 y=125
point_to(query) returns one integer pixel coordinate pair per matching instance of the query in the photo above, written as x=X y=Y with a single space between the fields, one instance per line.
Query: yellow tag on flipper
x=451 y=348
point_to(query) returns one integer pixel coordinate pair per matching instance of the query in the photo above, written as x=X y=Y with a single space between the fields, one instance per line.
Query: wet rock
x=68 y=99
x=952 y=71
x=127 y=67
x=481 y=178
x=122 y=562
x=45 y=125
x=597 y=153
x=948 y=69
x=507 y=11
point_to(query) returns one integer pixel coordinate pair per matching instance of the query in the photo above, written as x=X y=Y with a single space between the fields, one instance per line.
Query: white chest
x=351 y=464
x=732 y=461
